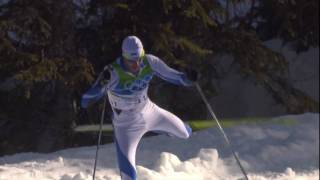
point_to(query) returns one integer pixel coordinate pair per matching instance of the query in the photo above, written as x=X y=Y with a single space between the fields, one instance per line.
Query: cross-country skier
x=134 y=113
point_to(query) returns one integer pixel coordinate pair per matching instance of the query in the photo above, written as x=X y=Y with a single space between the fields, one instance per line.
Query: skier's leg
x=162 y=120
x=126 y=139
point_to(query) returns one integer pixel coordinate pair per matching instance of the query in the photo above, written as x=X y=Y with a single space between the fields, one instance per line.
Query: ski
x=93 y=128
x=195 y=125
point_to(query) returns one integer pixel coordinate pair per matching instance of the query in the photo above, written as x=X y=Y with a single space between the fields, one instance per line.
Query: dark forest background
x=52 y=50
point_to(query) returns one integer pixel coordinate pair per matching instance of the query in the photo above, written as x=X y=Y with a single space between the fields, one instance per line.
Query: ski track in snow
x=267 y=151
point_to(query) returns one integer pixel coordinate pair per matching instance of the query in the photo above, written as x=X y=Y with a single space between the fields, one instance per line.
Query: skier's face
x=133 y=65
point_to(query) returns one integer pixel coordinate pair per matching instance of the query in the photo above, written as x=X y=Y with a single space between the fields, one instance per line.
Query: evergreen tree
x=51 y=49
x=38 y=56
x=191 y=33
x=293 y=21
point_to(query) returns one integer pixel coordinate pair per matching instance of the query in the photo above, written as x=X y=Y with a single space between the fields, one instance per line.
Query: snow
x=271 y=150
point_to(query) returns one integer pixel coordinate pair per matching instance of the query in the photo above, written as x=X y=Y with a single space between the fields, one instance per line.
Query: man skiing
x=134 y=113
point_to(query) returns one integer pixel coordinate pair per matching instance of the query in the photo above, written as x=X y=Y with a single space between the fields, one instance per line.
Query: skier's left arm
x=166 y=73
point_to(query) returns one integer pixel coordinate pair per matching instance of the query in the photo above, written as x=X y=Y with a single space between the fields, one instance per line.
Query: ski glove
x=106 y=72
x=191 y=74
x=105 y=75
x=97 y=90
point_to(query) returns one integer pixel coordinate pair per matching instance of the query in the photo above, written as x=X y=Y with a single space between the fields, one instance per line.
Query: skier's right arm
x=103 y=77
x=98 y=89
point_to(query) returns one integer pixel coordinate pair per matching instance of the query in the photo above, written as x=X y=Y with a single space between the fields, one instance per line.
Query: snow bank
x=272 y=150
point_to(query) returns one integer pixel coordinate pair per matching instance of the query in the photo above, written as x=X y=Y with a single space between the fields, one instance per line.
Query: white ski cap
x=132 y=48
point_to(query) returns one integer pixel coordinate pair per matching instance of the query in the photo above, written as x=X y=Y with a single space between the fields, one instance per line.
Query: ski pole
x=99 y=139
x=221 y=129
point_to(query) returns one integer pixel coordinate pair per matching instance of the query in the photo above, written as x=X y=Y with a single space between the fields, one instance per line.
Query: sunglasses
x=138 y=58
x=134 y=61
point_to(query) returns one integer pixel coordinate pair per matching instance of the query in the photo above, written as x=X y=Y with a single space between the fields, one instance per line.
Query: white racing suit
x=135 y=114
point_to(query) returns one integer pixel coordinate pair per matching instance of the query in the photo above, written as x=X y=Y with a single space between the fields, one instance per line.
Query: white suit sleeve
x=166 y=73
